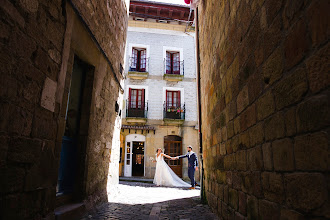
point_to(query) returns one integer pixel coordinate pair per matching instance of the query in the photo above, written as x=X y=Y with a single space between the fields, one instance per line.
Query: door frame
x=129 y=139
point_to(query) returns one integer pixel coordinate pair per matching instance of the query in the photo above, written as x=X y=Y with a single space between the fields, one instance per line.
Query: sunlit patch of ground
x=144 y=193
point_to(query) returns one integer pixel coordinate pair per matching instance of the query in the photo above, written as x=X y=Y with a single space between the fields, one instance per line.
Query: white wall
x=156 y=40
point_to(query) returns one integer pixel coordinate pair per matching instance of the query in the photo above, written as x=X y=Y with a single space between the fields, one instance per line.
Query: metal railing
x=174 y=67
x=136 y=109
x=174 y=111
x=138 y=65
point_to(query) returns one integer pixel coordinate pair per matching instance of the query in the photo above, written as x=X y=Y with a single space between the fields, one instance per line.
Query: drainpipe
x=203 y=196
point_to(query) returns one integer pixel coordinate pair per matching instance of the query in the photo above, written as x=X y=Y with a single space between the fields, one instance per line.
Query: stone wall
x=39 y=40
x=265 y=108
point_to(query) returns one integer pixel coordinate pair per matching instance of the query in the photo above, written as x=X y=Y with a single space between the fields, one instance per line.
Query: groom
x=192 y=165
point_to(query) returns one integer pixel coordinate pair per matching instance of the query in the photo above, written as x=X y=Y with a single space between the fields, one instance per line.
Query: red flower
x=187 y=1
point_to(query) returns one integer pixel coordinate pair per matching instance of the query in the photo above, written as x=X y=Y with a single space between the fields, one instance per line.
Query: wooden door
x=173 y=147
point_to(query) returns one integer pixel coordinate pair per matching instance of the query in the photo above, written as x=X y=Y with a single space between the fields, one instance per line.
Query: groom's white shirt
x=190 y=153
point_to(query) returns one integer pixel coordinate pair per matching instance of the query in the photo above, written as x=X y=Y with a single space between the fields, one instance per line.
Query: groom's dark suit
x=192 y=164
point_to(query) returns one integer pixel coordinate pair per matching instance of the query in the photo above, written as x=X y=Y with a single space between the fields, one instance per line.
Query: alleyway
x=146 y=201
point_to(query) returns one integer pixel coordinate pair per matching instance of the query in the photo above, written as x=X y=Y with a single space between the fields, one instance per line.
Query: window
x=136 y=106
x=138 y=61
x=173 y=99
x=172 y=62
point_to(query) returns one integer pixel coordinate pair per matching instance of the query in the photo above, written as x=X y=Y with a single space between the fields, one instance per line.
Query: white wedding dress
x=164 y=175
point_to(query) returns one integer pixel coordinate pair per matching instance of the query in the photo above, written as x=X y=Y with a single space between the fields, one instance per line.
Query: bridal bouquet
x=151 y=158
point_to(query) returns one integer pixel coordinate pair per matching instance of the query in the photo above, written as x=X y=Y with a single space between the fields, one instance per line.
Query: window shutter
x=142 y=99
x=129 y=97
x=179 y=99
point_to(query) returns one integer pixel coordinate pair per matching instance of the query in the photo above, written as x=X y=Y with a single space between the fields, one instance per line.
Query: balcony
x=174 y=113
x=173 y=70
x=136 y=112
x=138 y=68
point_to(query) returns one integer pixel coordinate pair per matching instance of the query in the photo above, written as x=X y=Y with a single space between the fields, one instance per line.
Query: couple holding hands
x=164 y=175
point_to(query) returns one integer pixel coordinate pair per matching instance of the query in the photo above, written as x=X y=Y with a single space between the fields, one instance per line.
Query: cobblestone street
x=146 y=201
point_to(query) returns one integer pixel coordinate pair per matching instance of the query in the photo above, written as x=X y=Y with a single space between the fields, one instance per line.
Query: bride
x=164 y=175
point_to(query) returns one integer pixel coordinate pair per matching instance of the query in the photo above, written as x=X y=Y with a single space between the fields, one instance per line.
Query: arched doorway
x=173 y=147
x=134 y=155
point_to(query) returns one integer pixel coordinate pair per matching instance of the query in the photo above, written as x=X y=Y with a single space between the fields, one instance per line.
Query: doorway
x=134 y=155
x=138 y=159
x=74 y=141
x=173 y=148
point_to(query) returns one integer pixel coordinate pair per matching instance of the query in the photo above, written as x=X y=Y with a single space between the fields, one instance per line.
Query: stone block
x=256 y=134
x=290 y=122
x=235 y=143
x=318 y=21
x=12 y=11
x=252 y=208
x=24 y=150
x=237 y=180
x=252 y=184
x=267 y=156
x=311 y=152
x=248 y=118
x=236 y=125
x=242 y=99
x=12 y=179
x=265 y=105
x=242 y=202
x=241 y=160
x=255 y=86
x=291 y=89
x=273 y=188
x=287 y=214
x=268 y=210
x=273 y=34
x=30 y=6
x=254 y=159
x=296 y=45
x=20 y=121
x=244 y=140
x=291 y=12
x=273 y=67
x=225 y=194
x=305 y=191
x=223 y=149
x=233 y=198
x=313 y=114
x=283 y=155
x=274 y=127
x=318 y=70
x=230 y=129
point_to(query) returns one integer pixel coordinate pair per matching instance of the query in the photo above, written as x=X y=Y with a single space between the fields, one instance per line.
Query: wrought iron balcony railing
x=136 y=109
x=174 y=67
x=138 y=64
x=174 y=111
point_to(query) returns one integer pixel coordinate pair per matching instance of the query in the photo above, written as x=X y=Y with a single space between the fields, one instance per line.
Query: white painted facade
x=157 y=42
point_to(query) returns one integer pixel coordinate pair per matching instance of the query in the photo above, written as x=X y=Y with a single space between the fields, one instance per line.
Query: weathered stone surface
x=283 y=155
x=272 y=184
x=290 y=89
x=241 y=160
x=256 y=134
x=265 y=105
x=252 y=184
x=267 y=156
x=318 y=70
x=313 y=114
x=274 y=127
x=252 y=207
x=296 y=44
x=254 y=159
x=311 y=152
x=273 y=67
x=305 y=191
x=287 y=214
x=290 y=122
x=48 y=95
x=318 y=21
x=233 y=198
x=242 y=203
x=242 y=99
x=248 y=118
x=268 y=210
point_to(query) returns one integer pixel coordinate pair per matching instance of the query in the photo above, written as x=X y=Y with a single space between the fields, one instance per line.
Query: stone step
x=70 y=211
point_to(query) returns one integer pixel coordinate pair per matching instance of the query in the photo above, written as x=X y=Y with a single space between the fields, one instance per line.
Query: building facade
x=160 y=98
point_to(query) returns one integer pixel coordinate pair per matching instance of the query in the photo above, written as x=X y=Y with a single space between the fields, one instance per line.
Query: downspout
x=203 y=196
